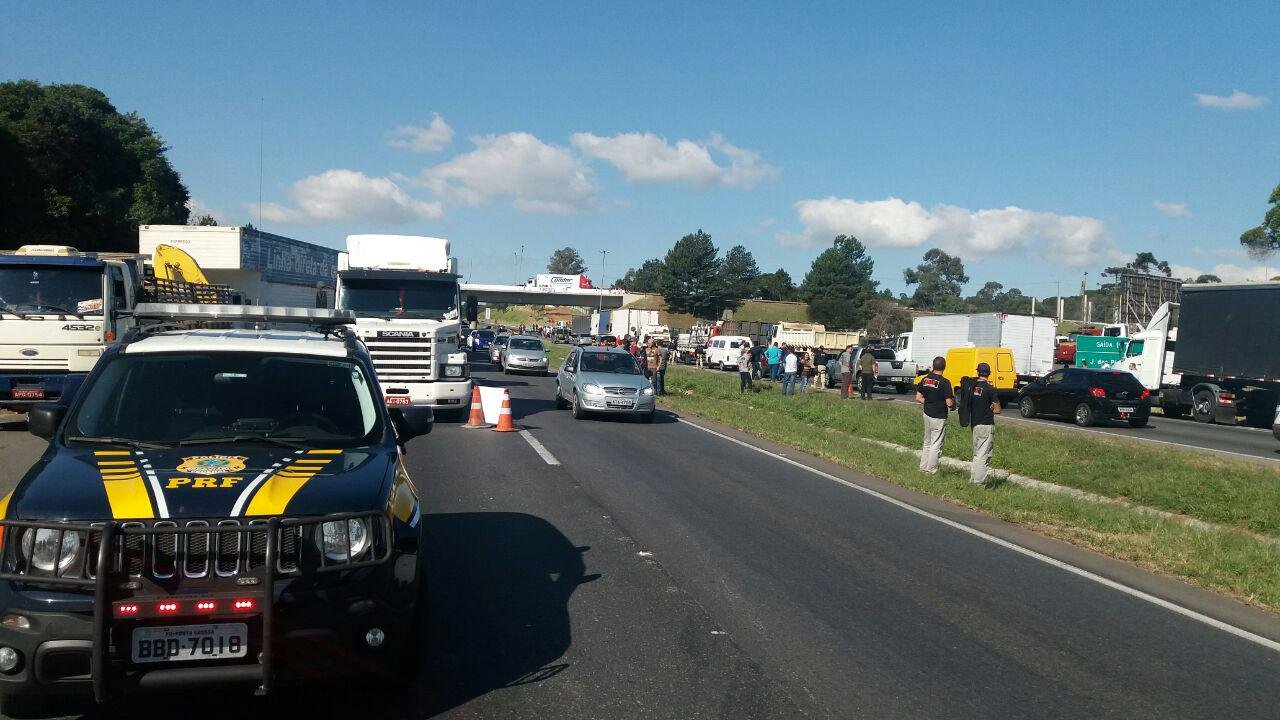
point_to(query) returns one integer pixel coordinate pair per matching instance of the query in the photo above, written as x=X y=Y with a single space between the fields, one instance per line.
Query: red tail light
x=1224 y=395
x=243 y=605
x=167 y=608
x=206 y=606
x=1098 y=392
x=126 y=610
x=1145 y=394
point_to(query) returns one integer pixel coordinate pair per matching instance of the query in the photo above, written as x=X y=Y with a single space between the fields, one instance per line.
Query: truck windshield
x=432 y=299
x=190 y=398
x=35 y=289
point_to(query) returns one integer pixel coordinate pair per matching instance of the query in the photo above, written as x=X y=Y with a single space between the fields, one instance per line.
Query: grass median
x=1238 y=494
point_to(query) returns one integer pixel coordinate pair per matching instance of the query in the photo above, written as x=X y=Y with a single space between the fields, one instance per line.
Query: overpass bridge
x=523 y=295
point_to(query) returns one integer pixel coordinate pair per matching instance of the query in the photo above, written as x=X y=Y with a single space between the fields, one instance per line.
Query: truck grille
x=401 y=359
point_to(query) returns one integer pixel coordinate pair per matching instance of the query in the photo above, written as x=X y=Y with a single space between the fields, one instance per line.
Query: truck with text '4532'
x=404 y=292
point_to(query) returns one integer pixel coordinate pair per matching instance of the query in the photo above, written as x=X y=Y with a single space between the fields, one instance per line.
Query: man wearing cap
x=984 y=405
x=934 y=393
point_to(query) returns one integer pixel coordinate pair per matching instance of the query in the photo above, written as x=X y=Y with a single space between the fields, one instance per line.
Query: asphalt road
x=1247 y=442
x=660 y=571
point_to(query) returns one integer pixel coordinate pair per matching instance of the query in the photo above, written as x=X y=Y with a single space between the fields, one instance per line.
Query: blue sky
x=1037 y=140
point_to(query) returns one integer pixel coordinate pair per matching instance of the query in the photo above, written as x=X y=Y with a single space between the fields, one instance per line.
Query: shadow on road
x=498 y=588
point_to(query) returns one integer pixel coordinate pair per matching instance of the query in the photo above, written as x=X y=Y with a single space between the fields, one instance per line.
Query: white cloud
x=649 y=158
x=431 y=138
x=537 y=176
x=1171 y=209
x=761 y=226
x=349 y=195
x=1235 y=101
x=1070 y=240
x=1228 y=272
x=197 y=209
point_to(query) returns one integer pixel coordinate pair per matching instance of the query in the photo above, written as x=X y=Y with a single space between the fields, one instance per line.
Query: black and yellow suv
x=215 y=506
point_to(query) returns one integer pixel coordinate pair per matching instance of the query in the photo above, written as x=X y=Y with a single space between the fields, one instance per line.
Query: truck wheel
x=1083 y=415
x=1027 y=408
x=1204 y=407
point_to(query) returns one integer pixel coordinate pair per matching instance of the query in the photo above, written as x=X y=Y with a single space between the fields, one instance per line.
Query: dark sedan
x=1087 y=396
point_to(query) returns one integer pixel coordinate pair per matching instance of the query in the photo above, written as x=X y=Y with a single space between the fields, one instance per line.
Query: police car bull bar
x=111 y=585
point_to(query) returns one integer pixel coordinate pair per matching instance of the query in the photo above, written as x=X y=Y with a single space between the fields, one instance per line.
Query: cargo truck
x=1030 y=338
x=1216 y=356
x=404 y=292
x=61 y=308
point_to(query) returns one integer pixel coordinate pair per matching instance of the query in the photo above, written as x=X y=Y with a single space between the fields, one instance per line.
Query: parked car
x=723 y=350
x=523 y=353
x=496 y=346
x=891 y=371
x=604 y=380
x=1087 y=396
x=584 y=340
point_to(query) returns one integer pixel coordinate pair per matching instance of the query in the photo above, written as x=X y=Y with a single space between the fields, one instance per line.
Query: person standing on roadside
x=653 y=359
x=934 y=393
x=790 y=365
x=866 y=372
x=757 y=361
x=984 y=405
x=773 y=355
x=846 y=372
x=744 y=369
x=664 y=357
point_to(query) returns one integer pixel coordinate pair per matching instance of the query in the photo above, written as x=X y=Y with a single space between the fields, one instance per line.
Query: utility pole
x=1084 y=299
x=603 y=257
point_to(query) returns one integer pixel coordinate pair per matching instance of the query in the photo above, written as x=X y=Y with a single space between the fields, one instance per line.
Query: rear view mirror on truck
x=473 y=310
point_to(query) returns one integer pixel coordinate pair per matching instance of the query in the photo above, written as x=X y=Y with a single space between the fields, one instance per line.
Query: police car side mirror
x=44 y=418
x=410 y=422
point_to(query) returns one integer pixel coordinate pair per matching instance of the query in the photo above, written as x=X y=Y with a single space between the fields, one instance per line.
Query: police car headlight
x=331 y=542
x=40 y=547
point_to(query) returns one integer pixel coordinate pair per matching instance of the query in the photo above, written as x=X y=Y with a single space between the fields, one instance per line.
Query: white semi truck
x=404 y=292
x=61 y=308
x=1031 y=338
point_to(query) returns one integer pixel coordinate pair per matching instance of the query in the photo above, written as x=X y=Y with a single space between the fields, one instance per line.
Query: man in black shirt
x=984 y=405
x=934 y=393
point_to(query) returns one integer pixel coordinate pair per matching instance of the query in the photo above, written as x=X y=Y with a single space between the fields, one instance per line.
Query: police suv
x=215 y=506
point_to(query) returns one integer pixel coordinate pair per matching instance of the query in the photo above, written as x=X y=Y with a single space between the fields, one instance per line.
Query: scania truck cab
x=404 y=292
x=59 y=309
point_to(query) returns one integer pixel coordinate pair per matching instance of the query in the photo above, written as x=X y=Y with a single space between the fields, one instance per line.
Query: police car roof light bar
x=161 y=312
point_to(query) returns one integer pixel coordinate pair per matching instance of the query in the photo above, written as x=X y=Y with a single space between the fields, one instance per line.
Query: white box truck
x=1030 y=337
x=405 y=295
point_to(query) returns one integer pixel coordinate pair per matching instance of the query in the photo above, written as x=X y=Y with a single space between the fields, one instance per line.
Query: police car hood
x=210 y=482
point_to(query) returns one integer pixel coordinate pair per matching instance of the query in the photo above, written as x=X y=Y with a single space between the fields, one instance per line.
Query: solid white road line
x=543 y=453
x=1134 y=592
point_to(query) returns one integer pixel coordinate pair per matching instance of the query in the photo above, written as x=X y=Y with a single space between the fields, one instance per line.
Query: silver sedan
x=523 y=353
x=604 y=380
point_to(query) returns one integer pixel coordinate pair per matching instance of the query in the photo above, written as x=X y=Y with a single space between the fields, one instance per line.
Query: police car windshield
x=432 y=299
x=51 y=289
x=184 y=398
x=615 y=362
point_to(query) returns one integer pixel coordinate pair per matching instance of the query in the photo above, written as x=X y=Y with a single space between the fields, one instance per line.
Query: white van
x=722 y=351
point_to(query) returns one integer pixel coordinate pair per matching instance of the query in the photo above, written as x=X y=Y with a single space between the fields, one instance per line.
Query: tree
x=75 y=171
x=886 y=318
x=566 y=261
x=1208 y=278
x=645 y=279
x=691 y=280
x=987 y=298
x=938 y=280
x=1144 y=263
x=738 y=273
x=776 y=285
x=838 y=285
x=1264 y=240
x=205 y=220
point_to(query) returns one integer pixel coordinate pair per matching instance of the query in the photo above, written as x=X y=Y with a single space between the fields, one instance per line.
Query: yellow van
x=963 y=362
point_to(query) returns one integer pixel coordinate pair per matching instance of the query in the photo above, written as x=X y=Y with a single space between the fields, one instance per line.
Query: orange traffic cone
x=476 y=420
x=504 y=415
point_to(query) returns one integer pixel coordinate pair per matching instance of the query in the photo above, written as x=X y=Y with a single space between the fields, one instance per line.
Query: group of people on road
x=652 y=357
x=977 y=403
x=779 y=363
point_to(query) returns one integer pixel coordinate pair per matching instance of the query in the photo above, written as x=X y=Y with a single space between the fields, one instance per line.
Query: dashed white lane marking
x=1134 y=592
x=543 y=453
